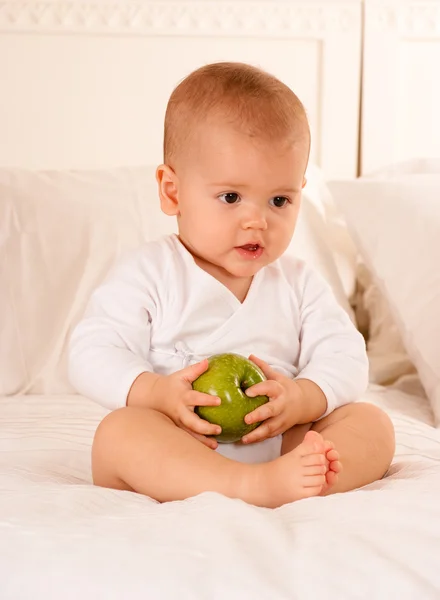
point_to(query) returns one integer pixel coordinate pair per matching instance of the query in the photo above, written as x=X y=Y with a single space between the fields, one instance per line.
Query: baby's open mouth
x=250 y=247
x=250 y=251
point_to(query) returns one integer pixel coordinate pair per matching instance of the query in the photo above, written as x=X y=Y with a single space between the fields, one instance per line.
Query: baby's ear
x=167 y=182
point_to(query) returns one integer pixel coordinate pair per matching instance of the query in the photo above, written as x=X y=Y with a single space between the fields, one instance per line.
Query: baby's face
x=238 y=200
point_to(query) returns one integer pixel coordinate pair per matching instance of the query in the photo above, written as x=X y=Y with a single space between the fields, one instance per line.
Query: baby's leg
x=363 y=435
x=142 y=450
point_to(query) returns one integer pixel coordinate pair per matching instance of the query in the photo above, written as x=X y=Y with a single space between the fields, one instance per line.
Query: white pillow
x=60 y=232
x=312 y=243
x=396 y=224
x=387 y=355
x=344 y=253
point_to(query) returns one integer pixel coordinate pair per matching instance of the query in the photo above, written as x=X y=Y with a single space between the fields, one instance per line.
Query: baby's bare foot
x=298 y=474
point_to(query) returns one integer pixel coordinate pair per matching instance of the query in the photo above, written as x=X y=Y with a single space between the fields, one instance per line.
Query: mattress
x=63 y=538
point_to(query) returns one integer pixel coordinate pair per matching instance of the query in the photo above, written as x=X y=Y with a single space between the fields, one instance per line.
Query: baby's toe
x=328 y=445
x=331 y=478
x=335 y=466
x=313 y=443
x=332 y=455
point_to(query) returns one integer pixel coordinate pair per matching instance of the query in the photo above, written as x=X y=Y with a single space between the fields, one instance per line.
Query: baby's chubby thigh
x=259 y=452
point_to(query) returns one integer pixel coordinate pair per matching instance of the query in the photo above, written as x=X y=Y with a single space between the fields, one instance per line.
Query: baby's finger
x=267 y=369
x=268 y=429
x=271 y=409
x=265 y=388
x=192 y=372
x=209 y=442
x=193 y=398
x=197 y=425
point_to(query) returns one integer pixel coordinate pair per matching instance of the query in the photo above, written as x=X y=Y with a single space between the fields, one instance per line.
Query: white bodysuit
x=159 y=311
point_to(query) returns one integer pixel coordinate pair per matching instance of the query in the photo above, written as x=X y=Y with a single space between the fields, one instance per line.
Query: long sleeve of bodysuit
x=109 y=348
x=332 y=351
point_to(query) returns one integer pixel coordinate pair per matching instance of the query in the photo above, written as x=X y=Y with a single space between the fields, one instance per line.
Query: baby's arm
x=333 y=355
x=109 y=352
x=109 y=348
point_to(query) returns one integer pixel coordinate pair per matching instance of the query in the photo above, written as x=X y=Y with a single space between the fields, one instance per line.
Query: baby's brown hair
x=248 y=98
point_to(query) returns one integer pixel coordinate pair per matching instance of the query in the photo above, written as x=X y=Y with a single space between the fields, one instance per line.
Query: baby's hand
x=177 y=400
x=283 y=409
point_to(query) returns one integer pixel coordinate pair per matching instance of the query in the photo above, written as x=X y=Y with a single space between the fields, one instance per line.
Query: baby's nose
x=255 y=219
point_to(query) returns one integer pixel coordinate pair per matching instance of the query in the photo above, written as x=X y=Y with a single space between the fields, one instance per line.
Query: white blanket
x=63 y=539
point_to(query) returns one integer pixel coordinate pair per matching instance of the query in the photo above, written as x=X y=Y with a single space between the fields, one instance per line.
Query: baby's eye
x=229 y=197
x=279 y=201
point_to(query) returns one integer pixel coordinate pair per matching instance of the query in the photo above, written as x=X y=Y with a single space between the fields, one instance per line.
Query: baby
x=235 y=154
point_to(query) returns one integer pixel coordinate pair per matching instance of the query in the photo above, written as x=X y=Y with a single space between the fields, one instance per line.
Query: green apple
x=227 y=377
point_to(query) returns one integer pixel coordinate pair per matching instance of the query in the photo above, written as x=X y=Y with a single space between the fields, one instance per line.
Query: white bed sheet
x=62 y=538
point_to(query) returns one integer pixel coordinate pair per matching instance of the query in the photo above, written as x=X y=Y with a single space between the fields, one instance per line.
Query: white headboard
x=401 y=82
x=85 y=84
